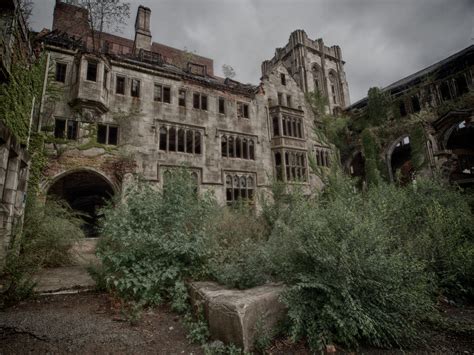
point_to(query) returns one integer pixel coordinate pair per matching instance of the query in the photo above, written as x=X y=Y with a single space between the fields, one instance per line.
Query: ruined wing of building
x=15 y=49
x=440 y=98
x=137 y=107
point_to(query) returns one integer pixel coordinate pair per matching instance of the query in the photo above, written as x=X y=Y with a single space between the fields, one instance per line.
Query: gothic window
x=239 y=187
x=251 y=150
x=242 y=110
x=120 y=85
x=61 y=72
x=163 y=138
x=182 y=98
x=238 y=148
x=65 y=129
x=231 y=147
x=107 y=134
x=276 y=127
x=224 y=146
x=180 y=140
x=334 y=83
x=135 y=88
x=91 y=71
x=221 y=105
x=317 y=77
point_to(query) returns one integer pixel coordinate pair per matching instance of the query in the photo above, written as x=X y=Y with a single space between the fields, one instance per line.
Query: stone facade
x=148 y=107
x=14 y=159
x=441 y=98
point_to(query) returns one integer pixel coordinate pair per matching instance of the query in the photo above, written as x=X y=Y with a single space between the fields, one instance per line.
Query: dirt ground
x=88 y=324
x=91 y=323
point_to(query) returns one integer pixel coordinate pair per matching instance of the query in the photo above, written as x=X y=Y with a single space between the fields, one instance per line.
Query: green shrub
x=347 y=284
x=237 y=244
x=49 y=231
x=154 y=240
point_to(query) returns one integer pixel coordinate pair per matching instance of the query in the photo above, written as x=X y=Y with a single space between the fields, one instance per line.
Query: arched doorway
x=86 y=191
x=399 y=160
x=357 y=168
x=459 y=140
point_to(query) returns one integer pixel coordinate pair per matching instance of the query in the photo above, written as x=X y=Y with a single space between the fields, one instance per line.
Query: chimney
x=142 y=30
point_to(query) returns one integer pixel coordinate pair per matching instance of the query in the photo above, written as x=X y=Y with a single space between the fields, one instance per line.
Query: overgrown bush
x=49 y=231
x=363 y=267
x=237 y=244
x=154 y=240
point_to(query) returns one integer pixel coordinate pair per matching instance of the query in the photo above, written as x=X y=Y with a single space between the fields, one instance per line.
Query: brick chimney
x=142 y=30
x=70 y=18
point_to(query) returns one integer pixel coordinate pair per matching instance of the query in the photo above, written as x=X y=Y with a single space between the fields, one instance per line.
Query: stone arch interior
x=86 y=192
x=461 y=143
x=400 y=160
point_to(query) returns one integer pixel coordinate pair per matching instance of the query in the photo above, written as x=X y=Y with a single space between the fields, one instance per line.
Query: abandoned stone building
x=14 y=158
x=440 y=98
x=137 y=108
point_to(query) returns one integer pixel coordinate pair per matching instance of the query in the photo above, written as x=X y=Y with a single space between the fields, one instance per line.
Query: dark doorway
x=461 y=143
x=86 y=192
x=400 y=161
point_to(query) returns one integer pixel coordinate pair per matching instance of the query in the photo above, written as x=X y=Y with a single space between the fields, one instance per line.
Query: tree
x=103 y=15
x=228 y=71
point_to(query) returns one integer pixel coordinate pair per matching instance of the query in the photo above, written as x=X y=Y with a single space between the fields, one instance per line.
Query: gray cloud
x=381 y=40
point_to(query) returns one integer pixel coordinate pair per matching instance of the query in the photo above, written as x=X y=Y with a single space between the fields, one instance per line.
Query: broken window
x=92 y=71
x=283 y=79
x=180 y=139
x=196 y=101
x=295 y=166
x=107 y=134
x=61 y=72
x=172 y=139
x=415 y=104
x=182 y=98
x=120 y=85
x=167 y=94
x=278 y=166
x=203 y=102
x=224 y=146
x=242 y=110
x=163 y=138
x=162 y=93
x=135 y=88
x=237 y=147
x=200 y=101
x=197 y=142
x=189 y=142
x=288 y=100
x=221 y=105
x=403 y=110
x=65 y=129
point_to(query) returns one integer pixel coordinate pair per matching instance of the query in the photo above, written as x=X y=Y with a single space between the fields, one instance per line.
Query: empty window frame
x=242 y=110
x=135 y=88
x=61 y=72
x=415 y=104
x=283 y=79
x=162 y=93
x=276 y=126
x=280 y=99
x=107 y=134
x=237 y=147
x=288 y=101
x=200 y=101
x=179 y=139
x=106 y=77
x=120 y=85
x=239 y=187
x=295 y=163
x=292 y=126
x=222 y=105
x=65 y=129
x=91 y=71
x=182 y=98
x=322 y=157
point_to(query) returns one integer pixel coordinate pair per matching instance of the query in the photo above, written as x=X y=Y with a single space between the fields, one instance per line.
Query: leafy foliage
x=154 y=240
x=370 y=150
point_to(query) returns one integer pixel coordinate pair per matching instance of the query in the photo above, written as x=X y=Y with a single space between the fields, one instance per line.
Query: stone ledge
x=233 y=315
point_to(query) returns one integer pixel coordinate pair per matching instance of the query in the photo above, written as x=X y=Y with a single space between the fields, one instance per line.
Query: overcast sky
x=381 y=40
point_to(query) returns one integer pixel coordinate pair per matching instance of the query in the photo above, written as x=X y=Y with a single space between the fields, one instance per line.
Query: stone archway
x=459 y=142
x=86 y=191
x=399 y=159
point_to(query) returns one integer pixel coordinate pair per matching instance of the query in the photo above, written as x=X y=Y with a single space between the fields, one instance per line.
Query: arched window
x=181 y=140
x=250 y=188
x=236 y=186
x=276 y=127
x=285 y=126
x=300 y=131
x=251 y=150
x=317 y=77
x=294 y=132
x=197 y=142
x=238 y=148
x=163 y=138
x=334 y=83
x=243 y=187
x=224 y=146
x=172 y=140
